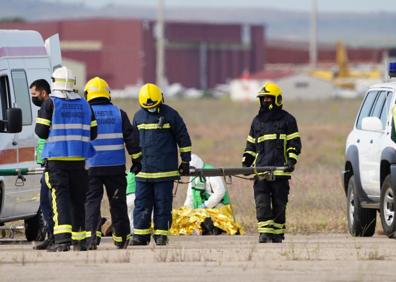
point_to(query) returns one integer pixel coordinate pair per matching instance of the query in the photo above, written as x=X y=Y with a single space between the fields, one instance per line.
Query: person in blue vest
x=107 y=167
x=161 y=132
x=68 y=124
x=40 y=90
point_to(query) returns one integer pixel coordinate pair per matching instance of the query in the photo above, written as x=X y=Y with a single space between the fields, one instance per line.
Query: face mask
x=37 y=101
x=266 y=106
x=153 y=110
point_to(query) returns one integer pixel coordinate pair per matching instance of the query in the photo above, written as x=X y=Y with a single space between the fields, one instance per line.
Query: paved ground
x=334 y=257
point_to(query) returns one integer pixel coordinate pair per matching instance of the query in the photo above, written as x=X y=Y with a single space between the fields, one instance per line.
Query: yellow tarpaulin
x=187 y=221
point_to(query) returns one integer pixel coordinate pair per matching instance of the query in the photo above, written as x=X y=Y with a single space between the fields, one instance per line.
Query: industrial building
x=123 y=52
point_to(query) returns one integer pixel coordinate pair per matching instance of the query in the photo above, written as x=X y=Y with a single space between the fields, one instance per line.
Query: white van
x=24 y=57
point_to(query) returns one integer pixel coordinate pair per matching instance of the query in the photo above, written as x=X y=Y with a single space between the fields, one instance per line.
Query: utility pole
x=160 y=45
x=313 y=43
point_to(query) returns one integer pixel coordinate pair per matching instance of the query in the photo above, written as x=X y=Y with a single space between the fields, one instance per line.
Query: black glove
x=184 y=168
x=290 y=165
x=247 y=160
x=136 y=167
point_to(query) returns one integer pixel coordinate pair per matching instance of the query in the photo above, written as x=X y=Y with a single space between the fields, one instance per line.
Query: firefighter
x=107 y=167
x=68 y=123
x=273 y=140
x=209 y=192
x=40 y=90
x=161 y=130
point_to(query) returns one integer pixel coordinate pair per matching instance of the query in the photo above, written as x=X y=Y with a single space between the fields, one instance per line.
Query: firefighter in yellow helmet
x=273 y=140
x=107 y=167
x=162 y=134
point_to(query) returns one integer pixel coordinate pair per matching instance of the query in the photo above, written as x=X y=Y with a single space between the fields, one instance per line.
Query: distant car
x=370 y=164
x=24 y=57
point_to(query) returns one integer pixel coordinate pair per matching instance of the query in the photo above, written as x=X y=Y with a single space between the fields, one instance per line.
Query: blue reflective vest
x=70 y=131
x=109 y=144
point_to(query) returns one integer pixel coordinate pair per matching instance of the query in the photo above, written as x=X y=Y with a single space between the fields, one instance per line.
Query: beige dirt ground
x=330 y=257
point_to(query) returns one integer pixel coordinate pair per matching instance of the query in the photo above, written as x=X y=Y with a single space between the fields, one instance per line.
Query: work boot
x=265 y=238
x=278 y=238
x=122 y=245
x=92 y=243
x=63 y=247
x=124 y=242
x=80 y=246
x=45 y=244
x=140 y=240
x=92 y=246
x=161 y=240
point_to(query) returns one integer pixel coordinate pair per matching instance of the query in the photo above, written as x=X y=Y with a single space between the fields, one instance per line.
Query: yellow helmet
x=271 y=89
x=96 y=88
x=150 y=96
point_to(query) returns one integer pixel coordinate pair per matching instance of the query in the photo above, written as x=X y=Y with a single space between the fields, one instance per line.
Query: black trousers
x=116 y=192
x=68 y=189
x=271 y=198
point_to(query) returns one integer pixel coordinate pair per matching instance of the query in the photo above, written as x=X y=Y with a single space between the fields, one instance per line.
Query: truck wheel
x=387 y=207
x=361 y=222
x=35 y=229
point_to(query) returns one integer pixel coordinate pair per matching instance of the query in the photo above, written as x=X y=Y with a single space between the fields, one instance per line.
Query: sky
x=297 y=5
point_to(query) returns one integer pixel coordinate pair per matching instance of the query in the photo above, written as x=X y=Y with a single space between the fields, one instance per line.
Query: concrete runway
x=319 y=257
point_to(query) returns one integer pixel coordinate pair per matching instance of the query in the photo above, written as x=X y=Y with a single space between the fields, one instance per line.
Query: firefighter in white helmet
x=68 y=124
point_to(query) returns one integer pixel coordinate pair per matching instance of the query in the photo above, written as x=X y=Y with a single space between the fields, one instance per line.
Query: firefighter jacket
x=160 y=134
x=273 y=139
x=115 y=132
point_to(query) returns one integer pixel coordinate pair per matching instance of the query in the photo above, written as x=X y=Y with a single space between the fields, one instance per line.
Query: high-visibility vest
x=200 y=195
x=69 y=137
x=109 y=144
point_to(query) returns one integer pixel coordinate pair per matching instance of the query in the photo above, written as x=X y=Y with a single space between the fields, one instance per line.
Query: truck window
x=379 y=104
x=5 y=102
x=385 y=110
x=366 y=107
x=22 y=95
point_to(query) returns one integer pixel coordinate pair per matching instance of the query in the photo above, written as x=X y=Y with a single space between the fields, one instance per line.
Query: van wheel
x=35 y=229
x=387 y=207
x=361 y=222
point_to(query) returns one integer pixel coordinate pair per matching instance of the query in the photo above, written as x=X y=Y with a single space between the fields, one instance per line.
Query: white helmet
x=63 y=79
x=196 y=161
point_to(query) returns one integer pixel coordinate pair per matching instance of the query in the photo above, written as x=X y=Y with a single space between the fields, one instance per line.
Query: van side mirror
x=372 y=124
x=13 y=124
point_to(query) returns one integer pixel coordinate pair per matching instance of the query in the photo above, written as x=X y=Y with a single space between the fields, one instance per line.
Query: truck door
x=52 y=45
x=363 y=138
x=375 y=145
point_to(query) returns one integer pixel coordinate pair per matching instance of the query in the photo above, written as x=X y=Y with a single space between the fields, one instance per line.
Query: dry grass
x=218 y=129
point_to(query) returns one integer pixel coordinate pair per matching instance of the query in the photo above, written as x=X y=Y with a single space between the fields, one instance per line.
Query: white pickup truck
x=24 y=57
x=370 y=164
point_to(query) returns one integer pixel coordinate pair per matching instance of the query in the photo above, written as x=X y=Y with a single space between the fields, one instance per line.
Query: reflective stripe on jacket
x=69 y=137
x=160 y=134
x=109 y=144
x=272 y=141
